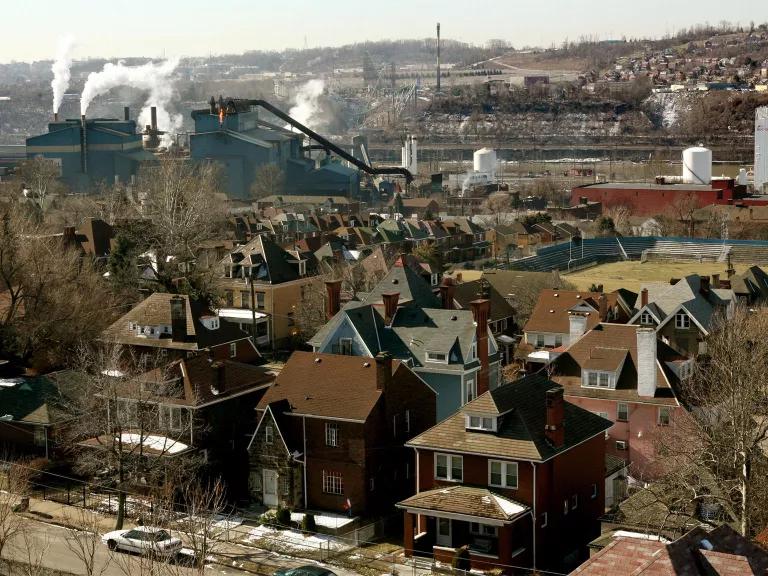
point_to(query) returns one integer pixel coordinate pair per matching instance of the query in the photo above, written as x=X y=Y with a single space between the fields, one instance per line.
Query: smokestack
x=83 y=145
x=390 y=306
x=178 y=319
x=153 y=115
x=333 y=288
x=126 y=113
x=481 y=310
x=554 y=429
x=55 y=116
x=447 y=290
x=383 y=370
x=438 y=58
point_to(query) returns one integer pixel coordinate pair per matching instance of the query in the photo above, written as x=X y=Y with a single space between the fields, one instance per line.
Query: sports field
x=630 y=274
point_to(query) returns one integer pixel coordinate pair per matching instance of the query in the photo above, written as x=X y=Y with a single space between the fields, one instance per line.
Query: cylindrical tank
x=485 y=161
x=741 y=180
x=697 y=165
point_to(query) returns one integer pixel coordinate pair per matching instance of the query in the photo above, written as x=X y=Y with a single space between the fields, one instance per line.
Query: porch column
x=505 y=544
x=408 y=534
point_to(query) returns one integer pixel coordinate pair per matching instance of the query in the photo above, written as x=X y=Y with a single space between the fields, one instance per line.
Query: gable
x=258 y=440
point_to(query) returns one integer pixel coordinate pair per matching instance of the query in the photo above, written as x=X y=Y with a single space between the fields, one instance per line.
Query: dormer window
x=131 y=325
x=682 y=321
x=646 y=319
x=302 y=267
x=598 y=379
x=480 y=422
x=440 y=357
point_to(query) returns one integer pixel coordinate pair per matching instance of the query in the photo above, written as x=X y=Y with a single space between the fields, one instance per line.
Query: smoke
x=61 y=70
x=307 y=109
x=153 y=78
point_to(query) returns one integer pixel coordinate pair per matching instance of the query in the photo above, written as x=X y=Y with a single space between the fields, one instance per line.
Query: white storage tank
x=485 y=161
x=742 y=179
x=697 y=165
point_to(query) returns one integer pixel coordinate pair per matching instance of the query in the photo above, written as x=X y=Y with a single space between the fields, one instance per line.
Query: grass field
x=631 y=274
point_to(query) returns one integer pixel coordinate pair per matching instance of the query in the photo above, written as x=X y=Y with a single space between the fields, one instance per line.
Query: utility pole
x=437 y=90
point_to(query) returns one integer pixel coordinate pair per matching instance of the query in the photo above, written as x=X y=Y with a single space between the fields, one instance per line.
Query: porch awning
x=465 y=503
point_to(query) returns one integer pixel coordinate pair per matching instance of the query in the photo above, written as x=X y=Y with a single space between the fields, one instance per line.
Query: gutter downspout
x=304 y=433
x=535 y=516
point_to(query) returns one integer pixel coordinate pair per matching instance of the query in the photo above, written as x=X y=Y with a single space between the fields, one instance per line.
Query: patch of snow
x=508 y=507
x=10 y=382
x=640 y=536
x=291 y=539
x=113 y=372
x=324 y=520
x=159 y=443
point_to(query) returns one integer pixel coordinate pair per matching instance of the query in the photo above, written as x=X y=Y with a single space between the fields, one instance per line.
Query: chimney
x=577 y=326
x=83 y=145
x=390 y=306
x=458 y=277
x=178 y=319
x=716 y=281
x=153 y=116
x=704 y=285
x=602 y=302
x=644 y=297
x=69 y=235
x=55 y=116
x=646 y=362
x=554 y=429
x=481 y=310
x=383 y=370
x=447 y=291
x=212 y=106
x=126 y=113
x=333 y=304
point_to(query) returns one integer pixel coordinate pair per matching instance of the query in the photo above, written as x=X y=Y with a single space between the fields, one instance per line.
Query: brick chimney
x=69 y=235
x=602 y=303
x=715 y=281
x=333 y=302
x=554 y=429
x=644 y=297
x=447 y=291
x=390 y=306
x=383 y=370
x=178 y=319
x=480 y=311
x=704 y=285
x=646 y=362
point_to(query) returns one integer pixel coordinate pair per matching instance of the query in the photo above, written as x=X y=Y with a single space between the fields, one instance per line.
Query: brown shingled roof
x=468 y=501
x=551 y=311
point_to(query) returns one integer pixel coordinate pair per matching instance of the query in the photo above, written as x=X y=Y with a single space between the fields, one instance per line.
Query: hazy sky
x=29 y=29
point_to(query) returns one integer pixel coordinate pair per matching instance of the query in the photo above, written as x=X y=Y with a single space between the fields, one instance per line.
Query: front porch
x=496 y=531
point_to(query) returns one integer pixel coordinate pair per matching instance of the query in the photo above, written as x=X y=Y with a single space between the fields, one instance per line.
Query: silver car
x=144 y=540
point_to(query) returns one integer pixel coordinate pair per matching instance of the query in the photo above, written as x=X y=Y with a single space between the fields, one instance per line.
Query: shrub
x=283 y=516
x=461 y=559
x=308 y=523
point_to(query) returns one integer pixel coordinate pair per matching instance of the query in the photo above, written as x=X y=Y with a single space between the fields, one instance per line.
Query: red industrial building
x=646 y=199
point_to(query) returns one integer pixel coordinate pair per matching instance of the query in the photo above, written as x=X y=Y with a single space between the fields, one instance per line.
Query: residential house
x=623 y=373
x=721 y=550
x=750 y=287
x=194 y=405
x=94 y=238
x=561 y=317
x=506 y=239
x=418 y=207
x=683 y=311
x=176 y=326
x=332 y=432
x=452 y=350
x=297 y=202
x=468 y=240
x=516 y=475
x=264 y=283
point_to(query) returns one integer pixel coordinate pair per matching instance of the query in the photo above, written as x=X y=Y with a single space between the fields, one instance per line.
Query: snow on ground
x=159 y=443
x=291 y=539
x=325 y=520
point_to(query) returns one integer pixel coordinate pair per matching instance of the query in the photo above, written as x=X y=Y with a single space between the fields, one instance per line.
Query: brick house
x=332 y=432
x=624 y=374
x=516 y=475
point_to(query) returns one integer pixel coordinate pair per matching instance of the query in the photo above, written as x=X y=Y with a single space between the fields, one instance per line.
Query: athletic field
x=630 y=274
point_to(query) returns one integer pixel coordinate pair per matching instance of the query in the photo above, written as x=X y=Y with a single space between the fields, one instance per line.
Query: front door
x=270 y=488
x=444 y=533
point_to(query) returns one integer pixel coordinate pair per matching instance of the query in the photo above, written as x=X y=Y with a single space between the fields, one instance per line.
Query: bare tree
x=14 y=484
x=84 y=541
x=499 y=210
x=268 y=181
x=41 y=178
x=620 y=215
x=714 y=454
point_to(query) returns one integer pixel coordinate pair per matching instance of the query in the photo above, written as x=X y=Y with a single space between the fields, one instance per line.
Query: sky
x=29 y=29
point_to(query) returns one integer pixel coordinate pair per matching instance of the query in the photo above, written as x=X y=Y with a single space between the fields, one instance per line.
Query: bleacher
x=570 y=256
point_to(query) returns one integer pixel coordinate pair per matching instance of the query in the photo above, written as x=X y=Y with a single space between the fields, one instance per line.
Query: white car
x=144 y=540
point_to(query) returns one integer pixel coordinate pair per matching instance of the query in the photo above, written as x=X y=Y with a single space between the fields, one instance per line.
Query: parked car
x=144 y=540
x=308 y=570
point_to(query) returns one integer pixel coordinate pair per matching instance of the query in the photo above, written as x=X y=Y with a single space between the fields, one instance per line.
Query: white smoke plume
x=61 y=70
x=307 y=109
x=156 y=79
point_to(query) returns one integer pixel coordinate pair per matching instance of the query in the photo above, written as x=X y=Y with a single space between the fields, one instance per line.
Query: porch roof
x=465 y=503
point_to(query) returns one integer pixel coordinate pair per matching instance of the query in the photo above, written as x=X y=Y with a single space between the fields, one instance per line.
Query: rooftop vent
x=557 y=295
x=318 y=360
x=395 y=281
x=366 y=364
x=454 y=318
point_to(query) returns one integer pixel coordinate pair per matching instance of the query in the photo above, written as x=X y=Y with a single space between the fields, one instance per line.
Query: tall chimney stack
x=390 y=306
x=333 y=305
x=438 y=58
x=447 y=291
x=153 y=116
x=383 y=370
x=126 y=113
x=644 y=297
x=481 y=310
x=83 y=145
x=55 y=116
x=602 y=302
x=646 y=362
x=178 y=319
x=554 y=429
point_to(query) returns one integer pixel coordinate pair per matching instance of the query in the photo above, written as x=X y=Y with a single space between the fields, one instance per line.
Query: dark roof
x=466 y=292
x=275 y=265
x=522 y=408
x=35 y=400
x=410 y=285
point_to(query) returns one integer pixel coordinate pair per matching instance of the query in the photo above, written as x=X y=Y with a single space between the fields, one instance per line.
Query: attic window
x=441 y=357
x=478 y=422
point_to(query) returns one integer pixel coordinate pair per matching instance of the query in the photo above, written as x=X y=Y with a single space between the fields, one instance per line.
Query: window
x=470 y=391
x=475 y=422
x=544 y=519
x=286 y=484
x=502 y=474
x=259 y=300
x=565 y=507
x=574 y=501
x=333 y=483
x=407 y=421
x=646 y=319
x=302 y=267
x=664 y=416
x=682 y=321
x=345 y=346
x=621 y=445
x=602 y=414
x=40 y=436
x=478 y=529
x=435 y=278
x=232 y=349
x=229 y=298
x=622 y=411
x=540 y=340
x=437 y=357
x=172 y=417
x=448 y=467
x=268 y=434
x=331 y=434
x=594 y=491
x=558 y=340
x=598 y=379
x=245 y=299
